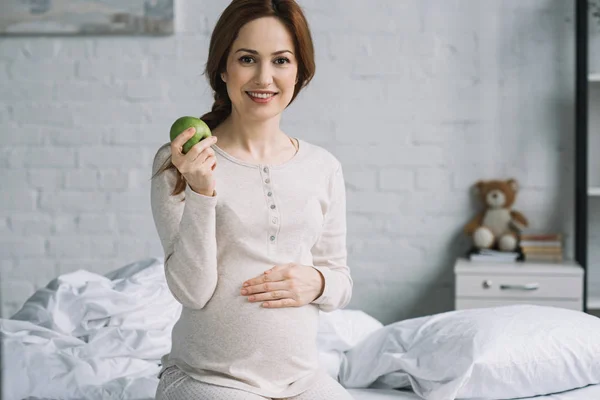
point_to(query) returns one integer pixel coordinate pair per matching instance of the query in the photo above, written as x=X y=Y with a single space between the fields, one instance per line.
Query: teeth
x=261 y=95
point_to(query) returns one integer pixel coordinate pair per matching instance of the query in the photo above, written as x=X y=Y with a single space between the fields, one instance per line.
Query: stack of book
x=494 y=255
x=542 y=247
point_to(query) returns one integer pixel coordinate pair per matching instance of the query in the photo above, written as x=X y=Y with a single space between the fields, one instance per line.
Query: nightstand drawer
x=501 y=286
x=467 y=303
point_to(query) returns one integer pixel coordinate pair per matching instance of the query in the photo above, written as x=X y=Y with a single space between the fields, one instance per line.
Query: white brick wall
x=418 y=99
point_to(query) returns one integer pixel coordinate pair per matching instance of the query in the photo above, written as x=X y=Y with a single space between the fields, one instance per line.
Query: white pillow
x=489 y=353
x=342 y=329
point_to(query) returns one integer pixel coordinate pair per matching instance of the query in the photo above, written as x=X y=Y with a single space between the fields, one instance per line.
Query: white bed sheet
x=382 y=394
x=586 y=393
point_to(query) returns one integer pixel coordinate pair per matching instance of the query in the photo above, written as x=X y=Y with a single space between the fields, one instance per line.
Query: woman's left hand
x=290 y=285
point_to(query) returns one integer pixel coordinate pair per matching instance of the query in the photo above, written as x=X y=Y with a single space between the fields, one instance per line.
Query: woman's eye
x=246 y=59
x=282 y=60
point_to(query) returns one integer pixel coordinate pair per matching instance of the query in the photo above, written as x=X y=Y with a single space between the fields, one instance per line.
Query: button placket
x=273 y=231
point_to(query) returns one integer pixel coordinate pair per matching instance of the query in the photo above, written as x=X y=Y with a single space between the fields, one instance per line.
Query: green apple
x=183 y=123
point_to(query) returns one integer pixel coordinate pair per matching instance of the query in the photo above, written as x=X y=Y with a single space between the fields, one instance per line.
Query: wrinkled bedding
x=91 y=336
x=95 y=336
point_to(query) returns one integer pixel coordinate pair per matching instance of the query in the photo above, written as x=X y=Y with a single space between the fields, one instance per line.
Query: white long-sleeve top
x=260 y=216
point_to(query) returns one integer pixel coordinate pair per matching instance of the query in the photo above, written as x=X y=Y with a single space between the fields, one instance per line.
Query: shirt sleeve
x=186 y=225
x=330 y=252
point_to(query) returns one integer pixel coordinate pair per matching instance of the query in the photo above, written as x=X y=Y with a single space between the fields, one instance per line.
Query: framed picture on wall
x=86 y=17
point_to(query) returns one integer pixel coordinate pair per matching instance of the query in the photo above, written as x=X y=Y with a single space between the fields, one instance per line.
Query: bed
x=91 y=336
x=588 y=393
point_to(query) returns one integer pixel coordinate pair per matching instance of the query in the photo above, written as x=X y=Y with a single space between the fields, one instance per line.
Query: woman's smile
x=261 y=96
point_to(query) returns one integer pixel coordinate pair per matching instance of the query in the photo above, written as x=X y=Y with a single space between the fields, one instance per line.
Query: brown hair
x=236 y=15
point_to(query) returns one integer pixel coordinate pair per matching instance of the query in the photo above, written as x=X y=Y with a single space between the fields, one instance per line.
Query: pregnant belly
x=233 y=336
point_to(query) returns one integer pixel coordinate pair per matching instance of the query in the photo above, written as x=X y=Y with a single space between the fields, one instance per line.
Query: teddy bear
x=497 y=225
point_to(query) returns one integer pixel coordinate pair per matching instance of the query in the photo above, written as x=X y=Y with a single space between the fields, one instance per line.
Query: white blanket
x=91 y=336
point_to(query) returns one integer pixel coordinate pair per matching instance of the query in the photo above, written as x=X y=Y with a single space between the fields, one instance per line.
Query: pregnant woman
x=254 y=228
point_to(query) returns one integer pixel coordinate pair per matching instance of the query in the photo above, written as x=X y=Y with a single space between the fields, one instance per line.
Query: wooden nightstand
x=491 y=284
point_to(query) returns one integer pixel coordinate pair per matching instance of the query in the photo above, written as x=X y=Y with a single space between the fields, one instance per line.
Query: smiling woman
x=255 y=258
x=261 y=75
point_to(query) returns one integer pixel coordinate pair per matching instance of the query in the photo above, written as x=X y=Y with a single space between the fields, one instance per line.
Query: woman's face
x=261 y=69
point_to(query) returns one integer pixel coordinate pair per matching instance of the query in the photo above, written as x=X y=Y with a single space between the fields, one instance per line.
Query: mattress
x=586 y=393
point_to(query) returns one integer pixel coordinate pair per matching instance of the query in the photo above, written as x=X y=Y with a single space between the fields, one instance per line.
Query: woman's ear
x=223 y=76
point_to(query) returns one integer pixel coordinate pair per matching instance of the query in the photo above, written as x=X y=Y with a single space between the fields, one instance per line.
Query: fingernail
x=245 y=284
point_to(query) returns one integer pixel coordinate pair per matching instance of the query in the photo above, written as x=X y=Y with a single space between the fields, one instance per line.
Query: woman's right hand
x=198 y=164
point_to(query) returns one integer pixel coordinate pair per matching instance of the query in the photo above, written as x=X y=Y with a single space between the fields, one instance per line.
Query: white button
x=266 y=169
x=274 y=220
x=272 y=206
x=270 y=194
x=272 y=238
x=267 y=180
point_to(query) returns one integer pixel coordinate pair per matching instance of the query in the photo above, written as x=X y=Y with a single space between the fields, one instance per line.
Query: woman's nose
x=264 y=75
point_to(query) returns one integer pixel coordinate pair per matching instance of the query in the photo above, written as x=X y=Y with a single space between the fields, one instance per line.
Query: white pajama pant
x=175 y=384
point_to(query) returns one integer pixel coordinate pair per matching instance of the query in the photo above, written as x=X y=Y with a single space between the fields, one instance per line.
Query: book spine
x=541 y=250
x=532 y=243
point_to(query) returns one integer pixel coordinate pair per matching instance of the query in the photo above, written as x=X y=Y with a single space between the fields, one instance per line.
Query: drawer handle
x=528 y=286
